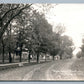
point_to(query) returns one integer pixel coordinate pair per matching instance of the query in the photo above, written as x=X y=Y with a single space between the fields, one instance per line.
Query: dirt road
x=51 y=71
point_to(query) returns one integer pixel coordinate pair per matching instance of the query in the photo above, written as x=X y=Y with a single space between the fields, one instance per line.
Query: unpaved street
x=55 y=70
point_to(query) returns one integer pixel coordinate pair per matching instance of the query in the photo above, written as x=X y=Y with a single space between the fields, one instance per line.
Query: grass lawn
x=78 y=68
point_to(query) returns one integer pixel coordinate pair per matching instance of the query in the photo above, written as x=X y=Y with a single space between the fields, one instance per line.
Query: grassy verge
x=20 y=64
x=78 y=68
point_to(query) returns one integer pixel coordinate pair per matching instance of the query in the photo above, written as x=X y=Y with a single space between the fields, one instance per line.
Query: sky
x=72 y=17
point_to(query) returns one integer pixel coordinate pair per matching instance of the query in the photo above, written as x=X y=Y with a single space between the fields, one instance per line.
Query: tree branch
x=17 y=14
x=6 y=25
x=9 y=11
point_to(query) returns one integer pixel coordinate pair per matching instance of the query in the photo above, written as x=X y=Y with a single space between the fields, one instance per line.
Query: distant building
x=25 y=53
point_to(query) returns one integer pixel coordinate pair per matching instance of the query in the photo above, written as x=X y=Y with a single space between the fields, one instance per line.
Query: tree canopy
x=22 y=25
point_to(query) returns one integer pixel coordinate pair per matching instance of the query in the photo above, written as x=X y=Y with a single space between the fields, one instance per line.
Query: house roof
x=25 y=49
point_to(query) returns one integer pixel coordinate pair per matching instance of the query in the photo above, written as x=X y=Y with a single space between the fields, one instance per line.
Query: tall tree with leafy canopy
x=5 y=12
x=42 y=31
x=66 y=45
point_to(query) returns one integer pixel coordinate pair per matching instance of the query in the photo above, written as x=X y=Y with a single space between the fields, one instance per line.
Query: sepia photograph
x=41 y=42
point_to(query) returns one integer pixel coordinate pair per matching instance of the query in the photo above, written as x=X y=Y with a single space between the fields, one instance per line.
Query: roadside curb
x=20 y=64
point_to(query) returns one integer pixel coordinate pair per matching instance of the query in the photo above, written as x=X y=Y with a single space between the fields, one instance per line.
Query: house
x=25 y=53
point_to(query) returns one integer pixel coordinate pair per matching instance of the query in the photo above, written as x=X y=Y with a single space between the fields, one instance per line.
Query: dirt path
x=58 y=70
x=38 y=73
x=78 y=68
x=62 y=71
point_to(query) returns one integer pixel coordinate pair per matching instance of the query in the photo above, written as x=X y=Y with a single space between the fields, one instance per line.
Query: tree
x=30 y=28
x=61 y=43
x=9 y=43
x=12 y=13
x=5 y=18
x=54 y=47
x=59 y=29
x=66 y=45
x=3 y=49
x=41 y=31
x=81 y=53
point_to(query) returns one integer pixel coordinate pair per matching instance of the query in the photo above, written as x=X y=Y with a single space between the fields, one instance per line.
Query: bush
x=79 y=54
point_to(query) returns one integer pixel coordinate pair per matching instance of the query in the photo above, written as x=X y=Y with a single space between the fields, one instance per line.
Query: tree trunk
x=38 y=57
x=10 y=58
x=3 y=50
x=60 y=57
x=53 y=57
x=13 y=57
x=45 y=58
x=20 y=57
x=3 y=53
x=29 y=57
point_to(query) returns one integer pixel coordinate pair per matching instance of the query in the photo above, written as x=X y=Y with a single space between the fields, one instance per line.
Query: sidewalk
x=19 y=64
x=12 y=65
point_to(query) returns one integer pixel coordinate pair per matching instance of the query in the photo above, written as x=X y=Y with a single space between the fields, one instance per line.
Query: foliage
x=79 y=54
x=7 y=10
x=66 y=45
x=22 y=24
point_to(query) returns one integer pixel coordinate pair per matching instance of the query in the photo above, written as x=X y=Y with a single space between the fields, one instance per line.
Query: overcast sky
x=72 y=16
